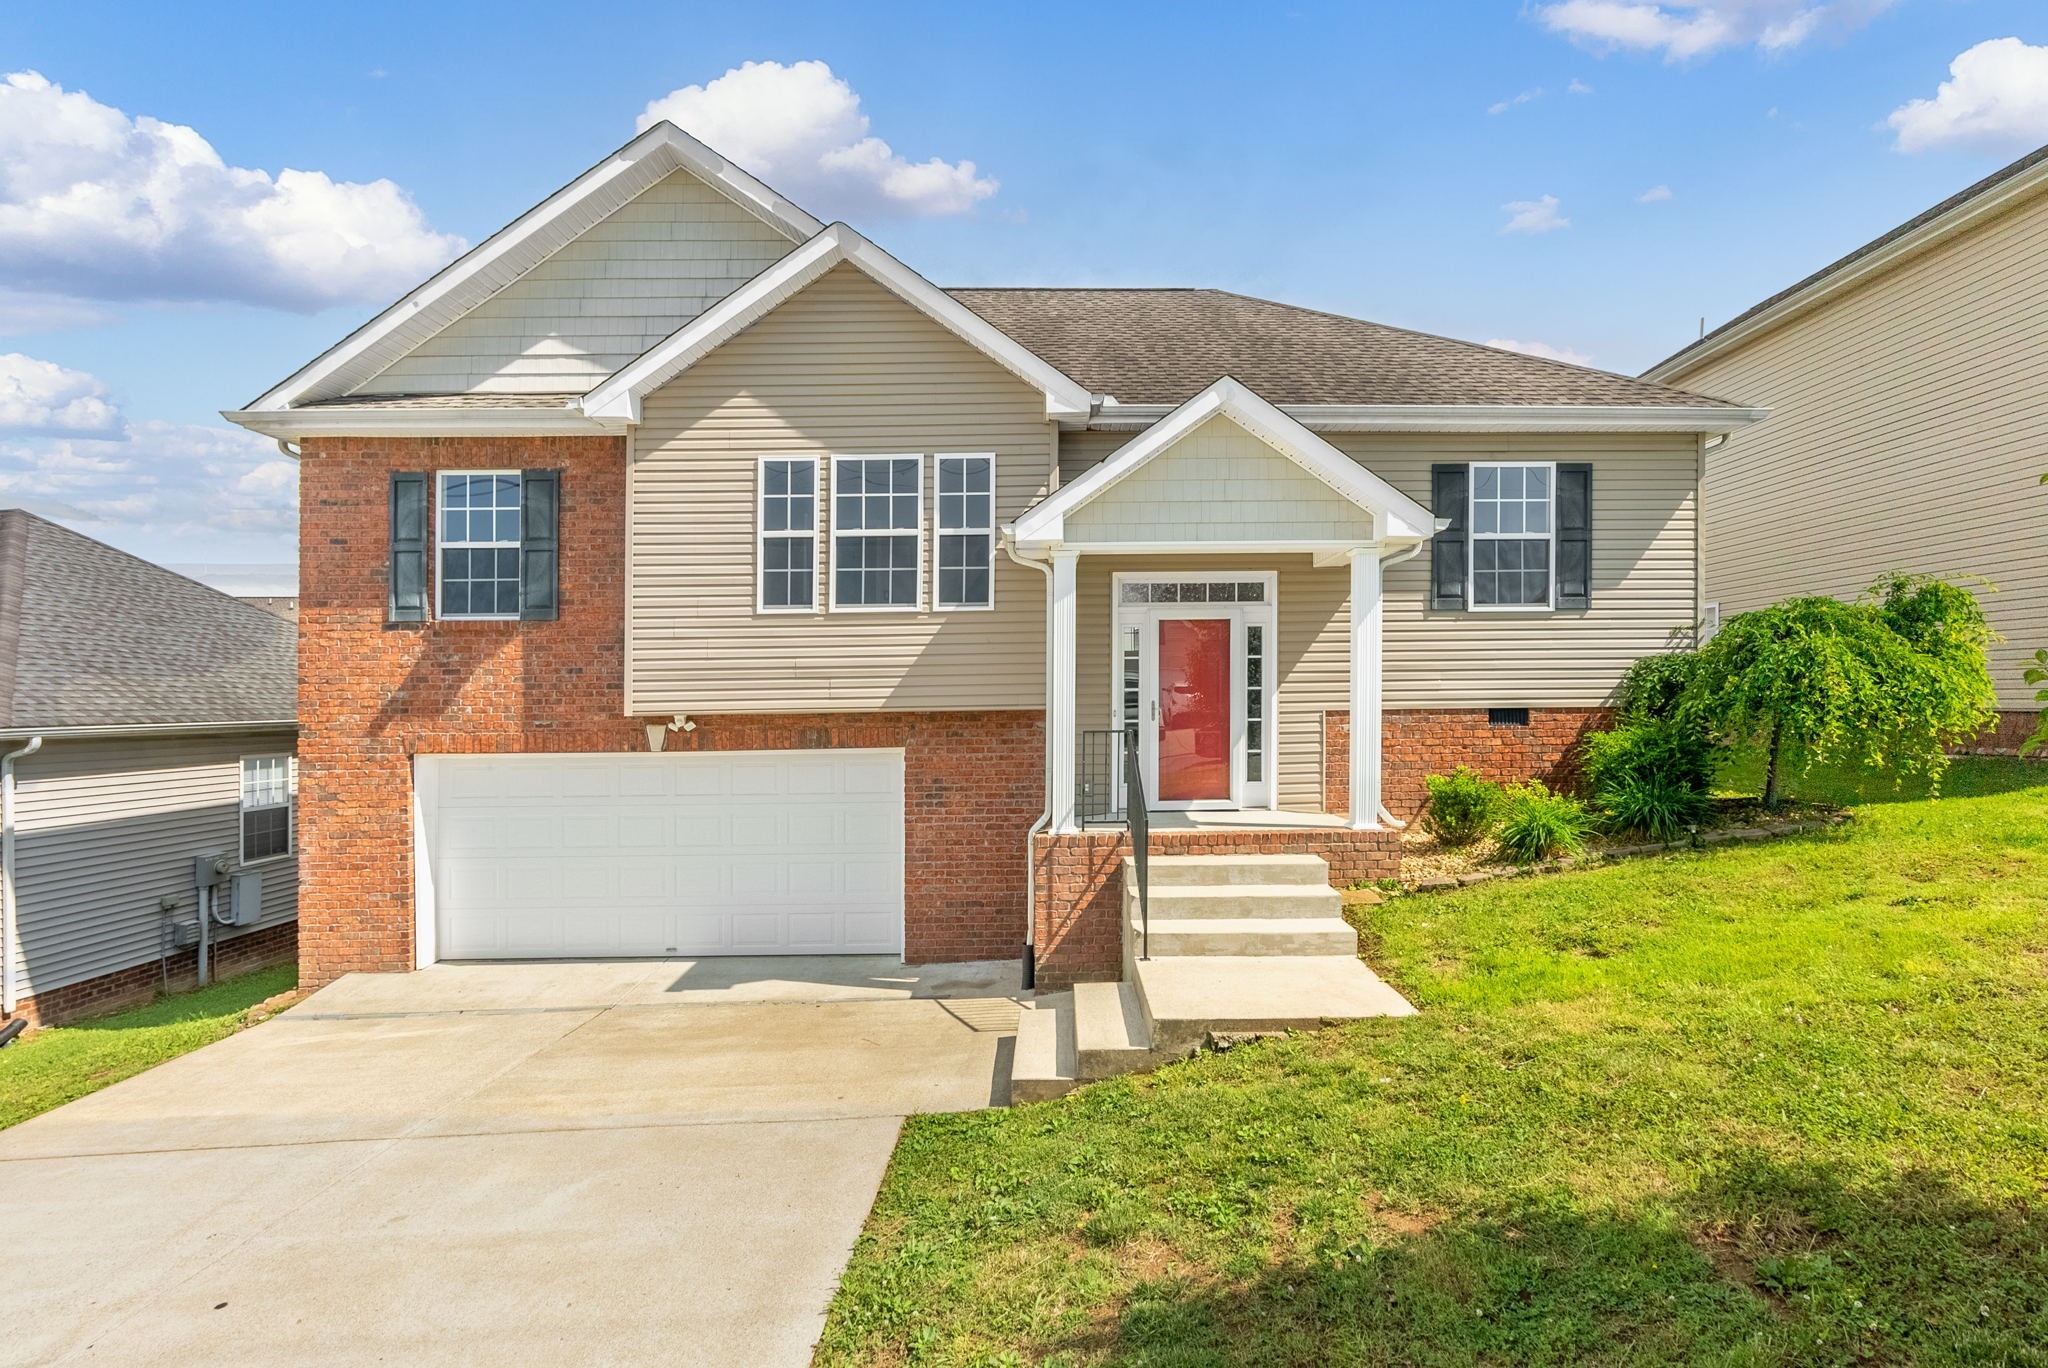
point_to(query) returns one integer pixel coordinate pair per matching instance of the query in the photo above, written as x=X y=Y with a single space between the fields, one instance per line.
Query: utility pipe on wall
x=10 y=929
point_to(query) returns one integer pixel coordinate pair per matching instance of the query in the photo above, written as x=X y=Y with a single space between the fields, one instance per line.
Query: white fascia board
x=505 y=250
x=150 y=729
x=293 y=424
x=1482 y=418
x=1928 y=235
x=617 y=398
x=1395 y=515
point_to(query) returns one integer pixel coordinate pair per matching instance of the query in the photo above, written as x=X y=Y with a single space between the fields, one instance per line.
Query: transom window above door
x=1513 y=533
x=877 y=531
x=1193 y=591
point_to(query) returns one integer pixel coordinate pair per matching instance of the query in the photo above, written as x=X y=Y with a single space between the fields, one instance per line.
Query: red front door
x=1194 y=709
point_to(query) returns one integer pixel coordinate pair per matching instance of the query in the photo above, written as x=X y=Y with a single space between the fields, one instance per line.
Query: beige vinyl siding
x=1219 y=483
x=105 y=827
x=844 y=367
x=600 y=301
x=1908 y=430
x=1311 y=664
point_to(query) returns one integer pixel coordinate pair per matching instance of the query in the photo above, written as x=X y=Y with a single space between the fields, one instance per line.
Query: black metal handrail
x=1138 y=817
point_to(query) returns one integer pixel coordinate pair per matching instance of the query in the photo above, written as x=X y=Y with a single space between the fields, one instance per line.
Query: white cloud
x=801 y=129
x=1578 y=87
x=1684 y=29
x=95 y=204
x=43 y=397
x=1524 y=98
x=1534 y=216
x=1996 y=97
x=1542 y=349
x=1656 y=194
x=168 y=481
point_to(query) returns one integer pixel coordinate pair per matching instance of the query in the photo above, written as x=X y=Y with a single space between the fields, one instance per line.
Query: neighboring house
x=147 y=722
x=1908 y=391
x=682 y=575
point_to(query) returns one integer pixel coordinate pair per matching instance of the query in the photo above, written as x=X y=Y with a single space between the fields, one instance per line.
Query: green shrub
x=1654 y=806
x=1461 y=806
x=1537 y=824
x=1651 y=688
x=1673 y=753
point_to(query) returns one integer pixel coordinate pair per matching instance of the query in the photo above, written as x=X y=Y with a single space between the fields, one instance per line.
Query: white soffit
x=617 y=400
x=1397 y=515
x=528 y=240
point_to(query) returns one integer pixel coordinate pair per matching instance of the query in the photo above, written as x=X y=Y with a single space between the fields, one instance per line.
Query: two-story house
x=684 y=576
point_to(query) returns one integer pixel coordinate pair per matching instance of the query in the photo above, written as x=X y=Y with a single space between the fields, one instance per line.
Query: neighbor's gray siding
x=106 y=827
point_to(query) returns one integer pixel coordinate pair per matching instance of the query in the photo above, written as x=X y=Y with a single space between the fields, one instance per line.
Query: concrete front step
x=1188 y=999
x=1184 y=871
x=1044 y=1063
x=1111 y=1035
x=1239 y=900
x=1241 y=936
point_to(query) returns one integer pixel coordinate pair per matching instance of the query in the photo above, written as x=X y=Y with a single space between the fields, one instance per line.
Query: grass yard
x=53 y=1067
x=1782 y=1104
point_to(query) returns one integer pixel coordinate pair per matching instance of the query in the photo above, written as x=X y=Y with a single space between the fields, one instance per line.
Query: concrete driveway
x=616 y=1163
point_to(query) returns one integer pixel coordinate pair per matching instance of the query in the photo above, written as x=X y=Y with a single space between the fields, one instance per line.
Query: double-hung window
x=966 y=531
x=1513 y=535
x=266 y=807
x=877 y=532
x=479 y=544
x=789 y=534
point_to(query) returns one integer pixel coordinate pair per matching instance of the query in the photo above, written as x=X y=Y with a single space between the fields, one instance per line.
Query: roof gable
x=1396 y=517
x=516 y=249
x=617 y=400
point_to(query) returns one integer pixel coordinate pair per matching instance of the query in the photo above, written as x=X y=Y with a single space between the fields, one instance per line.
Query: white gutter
x=9 y=929
x=153 y=729
x=317 y=421
x=1474 y=417
x=1045 y=817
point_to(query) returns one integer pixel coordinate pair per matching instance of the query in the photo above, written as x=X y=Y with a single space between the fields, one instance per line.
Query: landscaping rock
x=1363 y=897
x=1475 y=877
x=1746 y=834
x=1435 y=885
x=1624 y=852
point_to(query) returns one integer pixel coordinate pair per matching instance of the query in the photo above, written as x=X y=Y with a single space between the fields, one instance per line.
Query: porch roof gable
x=1396 y=517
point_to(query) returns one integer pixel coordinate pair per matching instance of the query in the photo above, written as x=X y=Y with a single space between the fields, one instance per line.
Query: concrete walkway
x=593 y=1163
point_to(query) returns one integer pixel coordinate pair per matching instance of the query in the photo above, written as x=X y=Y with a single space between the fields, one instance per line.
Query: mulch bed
x=1428 y=866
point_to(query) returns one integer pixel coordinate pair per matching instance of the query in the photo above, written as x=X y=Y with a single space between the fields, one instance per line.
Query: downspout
x=1387 y=563
x=9 y=921
x=1045 y=817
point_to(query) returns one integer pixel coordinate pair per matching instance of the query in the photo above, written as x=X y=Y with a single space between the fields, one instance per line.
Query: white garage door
x=760 y=853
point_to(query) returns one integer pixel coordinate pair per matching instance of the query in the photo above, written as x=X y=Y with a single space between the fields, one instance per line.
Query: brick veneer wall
x=1417 y=742
x=374 y=694
x=1079 y=892
x=2006 y=735
x=139 y=983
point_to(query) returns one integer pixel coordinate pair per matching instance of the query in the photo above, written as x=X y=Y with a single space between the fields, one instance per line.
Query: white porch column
x=1061 y=611
x=1367 y=617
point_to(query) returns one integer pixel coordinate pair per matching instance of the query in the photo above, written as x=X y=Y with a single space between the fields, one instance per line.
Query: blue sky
x=1359 y=158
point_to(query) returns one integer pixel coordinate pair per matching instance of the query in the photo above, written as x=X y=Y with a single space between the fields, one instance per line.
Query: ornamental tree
x=1890 y=681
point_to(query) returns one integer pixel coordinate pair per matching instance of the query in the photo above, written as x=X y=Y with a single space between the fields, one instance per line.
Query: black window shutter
x=408 y=546
x=540 y=499
x=1574 y=536
x=1449 y=549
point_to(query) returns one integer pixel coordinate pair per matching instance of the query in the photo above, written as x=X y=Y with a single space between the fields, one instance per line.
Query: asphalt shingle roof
x=94 y=637
x=1165 y=346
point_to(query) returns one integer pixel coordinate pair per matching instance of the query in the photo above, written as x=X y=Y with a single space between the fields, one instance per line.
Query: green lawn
x=53 y=1067
x=1775 y=1104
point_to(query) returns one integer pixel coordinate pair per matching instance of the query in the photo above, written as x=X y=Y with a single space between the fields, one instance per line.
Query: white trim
x=1474 y=535
x=426 y=792
x=295 y=424
x=1061 y=615
x=1473 y=417
x=512 y=251
x=1927 y=236
x=434 y=545
x=1368 y=618
x=1395 y=515
x=833 y=534
x=616 y=400
x=242 y=808
x=940 y=531
x=148 y=729
x=762 y=534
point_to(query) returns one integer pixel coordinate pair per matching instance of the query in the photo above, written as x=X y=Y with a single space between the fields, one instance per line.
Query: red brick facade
x=1417 y=742
x=373 y=694
x=2007 y=735
x=139 y=983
